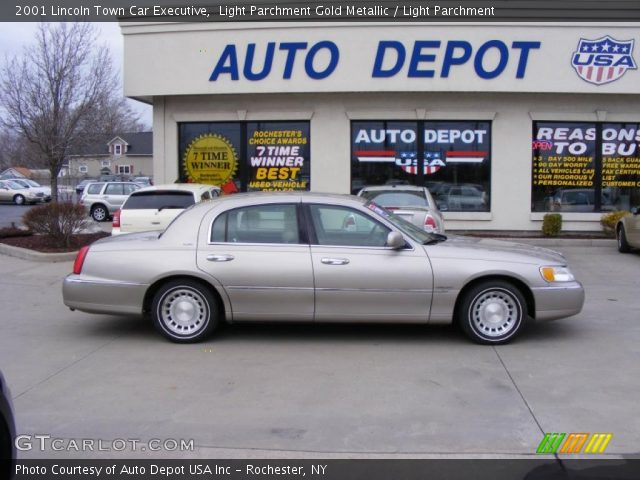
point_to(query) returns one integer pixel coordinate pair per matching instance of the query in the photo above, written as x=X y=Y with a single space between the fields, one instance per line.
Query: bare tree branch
x=62 y=93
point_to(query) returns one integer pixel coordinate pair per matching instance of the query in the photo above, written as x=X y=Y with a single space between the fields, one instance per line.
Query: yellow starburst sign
x=210 y=159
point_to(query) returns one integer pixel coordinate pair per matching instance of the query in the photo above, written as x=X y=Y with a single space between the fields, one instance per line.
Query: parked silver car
x=414 y=204
x=289 y=257
x=102 y=199
x=35 y=187
x=14 y=192
x=628 y=231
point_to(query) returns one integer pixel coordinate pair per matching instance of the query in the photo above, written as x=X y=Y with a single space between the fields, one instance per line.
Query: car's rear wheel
x=99 y=213
x=492 y=312
x=621 y=235
x=185 y=311
x=19 y=199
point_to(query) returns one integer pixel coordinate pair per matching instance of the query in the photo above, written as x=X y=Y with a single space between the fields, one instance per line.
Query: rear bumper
x=94 y=295
x=555 y=302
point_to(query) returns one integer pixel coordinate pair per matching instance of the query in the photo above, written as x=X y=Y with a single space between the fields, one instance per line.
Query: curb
x=26 y=254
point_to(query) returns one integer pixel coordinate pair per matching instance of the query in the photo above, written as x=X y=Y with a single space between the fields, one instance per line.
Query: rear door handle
x=334 y=261
x=220 y=258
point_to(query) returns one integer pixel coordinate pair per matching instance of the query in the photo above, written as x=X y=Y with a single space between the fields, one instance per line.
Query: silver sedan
x=317 y=258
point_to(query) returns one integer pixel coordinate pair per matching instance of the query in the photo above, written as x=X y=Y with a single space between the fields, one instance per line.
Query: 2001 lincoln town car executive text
x=317 y=257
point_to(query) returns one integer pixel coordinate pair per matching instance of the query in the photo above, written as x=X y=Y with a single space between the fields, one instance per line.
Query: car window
x=95 y=188
x=335 y=225
x=14 y=185
x=159 y=200
x=257 y=224
x=396 y=199
x=205 y=196
x=130 y=188
x=114 y=189
x=214 y=193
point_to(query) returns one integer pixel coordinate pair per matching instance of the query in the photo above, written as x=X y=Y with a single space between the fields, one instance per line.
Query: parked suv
x=153 y=208
x=102 y=199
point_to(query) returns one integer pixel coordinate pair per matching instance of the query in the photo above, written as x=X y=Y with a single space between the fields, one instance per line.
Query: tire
x=19 y=199
x=185 y=311
x=492 y=312
x=621 y=236
x=99 y=213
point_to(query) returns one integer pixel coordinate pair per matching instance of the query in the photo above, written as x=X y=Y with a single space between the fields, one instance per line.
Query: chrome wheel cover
x=99 y=214
x=495 y=312
x=19 y=200
x=183 y=311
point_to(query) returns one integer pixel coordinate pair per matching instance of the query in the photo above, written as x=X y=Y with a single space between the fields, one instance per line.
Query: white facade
x=508 y=75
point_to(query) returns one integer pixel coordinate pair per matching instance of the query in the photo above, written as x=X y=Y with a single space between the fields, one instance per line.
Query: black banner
x=295 y=10
x=547 y=468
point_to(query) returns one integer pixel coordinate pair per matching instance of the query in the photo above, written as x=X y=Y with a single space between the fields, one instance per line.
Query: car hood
x=474 y=248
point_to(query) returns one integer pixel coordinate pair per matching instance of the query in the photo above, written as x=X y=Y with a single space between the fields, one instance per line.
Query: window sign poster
x=621 y=164
x=451 y=158
x=278 y=156
x=210 y=154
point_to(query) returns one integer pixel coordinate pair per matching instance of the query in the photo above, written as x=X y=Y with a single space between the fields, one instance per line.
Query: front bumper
x=558 y=301
x=95 y=295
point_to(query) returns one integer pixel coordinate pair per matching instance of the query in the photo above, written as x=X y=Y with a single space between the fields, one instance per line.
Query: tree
x=60 y=94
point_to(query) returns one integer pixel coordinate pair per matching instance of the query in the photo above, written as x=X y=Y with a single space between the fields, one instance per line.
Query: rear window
x=95 y=188
x=159 y=200
x=396 y=199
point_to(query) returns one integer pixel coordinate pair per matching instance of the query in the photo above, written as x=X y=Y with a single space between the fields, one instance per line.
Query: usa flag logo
x=603 y=60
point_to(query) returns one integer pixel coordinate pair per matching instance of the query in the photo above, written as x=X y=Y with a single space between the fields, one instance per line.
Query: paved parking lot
x=321 y=391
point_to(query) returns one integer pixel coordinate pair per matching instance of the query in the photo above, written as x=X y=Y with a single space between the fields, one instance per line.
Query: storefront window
x=455 y=157
x=585 y=167
x=245 y=156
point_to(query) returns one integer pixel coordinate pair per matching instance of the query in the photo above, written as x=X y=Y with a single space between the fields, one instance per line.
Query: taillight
x=430 y=224
x=77 y=265
x=116 y=219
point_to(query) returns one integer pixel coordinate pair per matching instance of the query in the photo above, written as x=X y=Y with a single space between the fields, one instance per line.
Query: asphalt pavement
x=263 y=391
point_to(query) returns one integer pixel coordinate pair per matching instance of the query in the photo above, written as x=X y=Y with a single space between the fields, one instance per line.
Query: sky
x=14 y=36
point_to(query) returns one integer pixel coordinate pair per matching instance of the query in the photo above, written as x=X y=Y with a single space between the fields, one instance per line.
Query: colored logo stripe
x=598 y=443
x=574 y=442
x=550 y=442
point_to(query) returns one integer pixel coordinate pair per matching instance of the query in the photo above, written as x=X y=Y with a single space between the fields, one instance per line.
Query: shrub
x=551 y=224
x=58 y=220
x=610 y=220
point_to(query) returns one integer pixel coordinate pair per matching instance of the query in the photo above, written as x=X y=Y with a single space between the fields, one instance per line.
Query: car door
x=5 y=193
x=633 y=230
x=357 y=278
x=262 y=259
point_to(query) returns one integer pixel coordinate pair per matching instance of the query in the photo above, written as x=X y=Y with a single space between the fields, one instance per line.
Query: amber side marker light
x=77 y=265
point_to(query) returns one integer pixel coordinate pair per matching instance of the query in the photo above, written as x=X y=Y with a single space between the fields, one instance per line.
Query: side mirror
x=635 y=210
x=395 y=240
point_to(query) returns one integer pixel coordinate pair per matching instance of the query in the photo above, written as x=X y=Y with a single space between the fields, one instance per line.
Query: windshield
x=32 y=183
x=403 y=225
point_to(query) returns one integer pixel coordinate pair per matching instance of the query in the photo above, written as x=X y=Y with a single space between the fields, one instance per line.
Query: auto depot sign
x=288 y=57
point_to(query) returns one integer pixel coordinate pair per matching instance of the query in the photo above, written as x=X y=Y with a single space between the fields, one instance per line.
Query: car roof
x=186 y=187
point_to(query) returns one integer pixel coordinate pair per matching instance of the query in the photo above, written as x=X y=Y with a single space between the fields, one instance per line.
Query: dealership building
x=502 y=122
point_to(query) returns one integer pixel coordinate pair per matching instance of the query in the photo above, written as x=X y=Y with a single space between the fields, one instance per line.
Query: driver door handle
x=220 y=258
x=334 y=261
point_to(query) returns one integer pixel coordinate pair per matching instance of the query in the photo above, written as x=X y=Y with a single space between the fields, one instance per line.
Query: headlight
x=556 y=274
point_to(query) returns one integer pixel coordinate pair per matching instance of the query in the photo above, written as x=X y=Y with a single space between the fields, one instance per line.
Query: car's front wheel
x=19 y=199
x=99 y=213
x=185 y=311
x=623 y=245
x=492 y=312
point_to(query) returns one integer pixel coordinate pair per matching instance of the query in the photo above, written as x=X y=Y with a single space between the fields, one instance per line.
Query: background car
x=143 y=181
x=577 y=200
x=14 y=192
x=35 y=186
x=463 y=196
x=628 y=231
x=83 y=183
x=102 y=199
x=412 y=203
x=153 y=208
x=7 y=430
x=287 y=256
